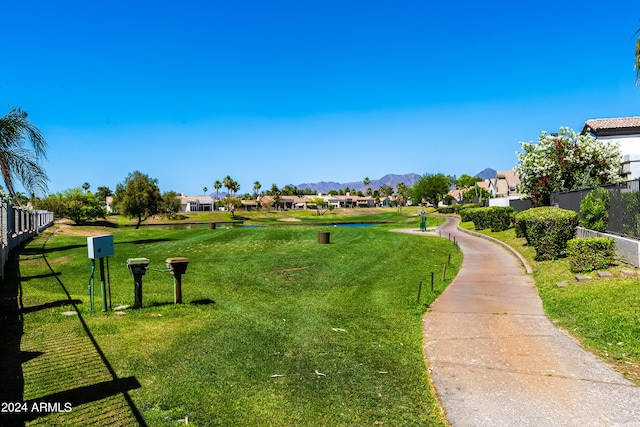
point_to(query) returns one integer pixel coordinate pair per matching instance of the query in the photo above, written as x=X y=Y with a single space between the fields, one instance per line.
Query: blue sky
x=288 y=92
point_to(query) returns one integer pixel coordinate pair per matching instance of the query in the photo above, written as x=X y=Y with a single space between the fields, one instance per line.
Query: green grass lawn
x=603 y=313
x=299 y=334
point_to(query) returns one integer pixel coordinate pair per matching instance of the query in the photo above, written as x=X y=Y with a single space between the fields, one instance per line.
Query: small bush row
x=497 y=218
x=548 y=229
x=592 y=253
x=455 y=209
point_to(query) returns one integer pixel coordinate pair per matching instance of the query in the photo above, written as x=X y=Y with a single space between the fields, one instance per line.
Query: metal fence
x=17 y=225
x=624 y=209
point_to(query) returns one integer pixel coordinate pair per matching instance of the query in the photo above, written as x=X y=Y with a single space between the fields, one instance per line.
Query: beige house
x=504 y=185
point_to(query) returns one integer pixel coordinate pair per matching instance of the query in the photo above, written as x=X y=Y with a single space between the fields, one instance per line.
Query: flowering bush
x=563 y=162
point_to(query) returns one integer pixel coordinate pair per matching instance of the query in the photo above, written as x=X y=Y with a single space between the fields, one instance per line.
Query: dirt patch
x=289 y=219
x=77 y=231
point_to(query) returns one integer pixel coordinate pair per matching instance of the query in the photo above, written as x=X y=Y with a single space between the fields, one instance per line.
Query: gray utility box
x=138 y=267
x=177 y=266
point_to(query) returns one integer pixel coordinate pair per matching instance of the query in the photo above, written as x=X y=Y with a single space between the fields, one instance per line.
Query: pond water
x=223 y=225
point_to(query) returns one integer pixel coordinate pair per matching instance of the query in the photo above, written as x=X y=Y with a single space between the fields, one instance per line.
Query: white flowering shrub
x=566 y=161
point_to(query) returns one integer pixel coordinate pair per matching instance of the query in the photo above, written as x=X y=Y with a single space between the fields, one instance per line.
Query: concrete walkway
x=496 y=360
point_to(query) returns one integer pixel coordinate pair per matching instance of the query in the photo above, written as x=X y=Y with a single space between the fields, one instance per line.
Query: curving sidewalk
x=496 y=360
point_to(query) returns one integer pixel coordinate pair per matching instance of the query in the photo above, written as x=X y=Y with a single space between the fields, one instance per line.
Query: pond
x=223 y=225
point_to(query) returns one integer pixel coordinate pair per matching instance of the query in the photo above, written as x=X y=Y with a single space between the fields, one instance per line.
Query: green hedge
x=548 y=229
x=456 y=209
x=590 y=253
x=497 y=218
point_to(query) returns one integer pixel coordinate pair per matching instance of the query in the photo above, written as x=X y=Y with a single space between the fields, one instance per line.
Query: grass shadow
x=12 y=312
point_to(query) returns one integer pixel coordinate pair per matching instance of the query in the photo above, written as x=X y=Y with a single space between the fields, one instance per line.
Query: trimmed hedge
x=591 y=253
x=456 y=209
x=497 y=218
x=548 y=229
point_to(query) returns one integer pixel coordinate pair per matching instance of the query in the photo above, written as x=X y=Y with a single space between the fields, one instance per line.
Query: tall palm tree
x=227 y=181
x=256 y=188
x=235 y=187
x=16 y=161
x=217 y=185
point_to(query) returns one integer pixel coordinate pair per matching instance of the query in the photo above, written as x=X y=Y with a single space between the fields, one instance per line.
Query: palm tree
x=17 y=161
x=256 y=188
x=204 y=190
x=86 y=186
x=217 y=185
x=227 y=181
x=235 y=187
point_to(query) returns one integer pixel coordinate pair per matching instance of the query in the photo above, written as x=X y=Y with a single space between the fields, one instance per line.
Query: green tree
x=401 y=195
x=256 y=189
x=227 y=181
x=204 y=190
x=18 y=162
x=138 y=197
x=594 y=208
x=169 y=204
x=81 y=206
x=217 y=185
x=235 y=187
x=86 y=186
x=102 y=193
x=475 y=191
x=275 y=195
x=366 y=181
x=466 y=181
x=565 y=161
x=431 y=187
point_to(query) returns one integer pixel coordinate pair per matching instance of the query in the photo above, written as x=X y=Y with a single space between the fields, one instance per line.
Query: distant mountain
x=488 y=173
x=390 y=179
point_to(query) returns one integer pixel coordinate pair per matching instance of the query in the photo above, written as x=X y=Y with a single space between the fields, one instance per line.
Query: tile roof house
x=624 y=131
x=196 y=203
x=504 y=184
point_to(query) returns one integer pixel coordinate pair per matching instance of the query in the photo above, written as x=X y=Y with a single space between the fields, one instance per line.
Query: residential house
x=624 y=131
x=196 y=203
x=504 y=185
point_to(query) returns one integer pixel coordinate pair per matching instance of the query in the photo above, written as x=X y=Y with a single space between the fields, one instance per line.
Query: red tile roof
x=614 y=126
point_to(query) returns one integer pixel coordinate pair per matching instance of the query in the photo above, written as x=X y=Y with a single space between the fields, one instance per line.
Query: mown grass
x=299 y=334
x=603 y=313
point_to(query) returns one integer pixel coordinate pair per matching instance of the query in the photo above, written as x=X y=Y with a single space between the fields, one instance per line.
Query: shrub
x=447 y=209
x=466 y=212
x=480 y=218
x=591 y=253
x=518 y=225
x=500 y=217
x=548 y=229
x=595 y=210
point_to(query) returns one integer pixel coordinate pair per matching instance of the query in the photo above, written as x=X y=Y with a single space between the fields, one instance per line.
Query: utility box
x=138 y=267
x=100 y=246
x=177 y=266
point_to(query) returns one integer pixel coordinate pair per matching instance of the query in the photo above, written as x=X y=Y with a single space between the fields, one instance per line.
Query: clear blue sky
x=288 y=92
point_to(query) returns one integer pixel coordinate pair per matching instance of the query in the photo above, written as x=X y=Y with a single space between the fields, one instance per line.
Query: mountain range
x=391 y=180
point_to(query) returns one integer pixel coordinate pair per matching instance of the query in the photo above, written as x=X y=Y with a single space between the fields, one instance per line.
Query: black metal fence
x=624 y=209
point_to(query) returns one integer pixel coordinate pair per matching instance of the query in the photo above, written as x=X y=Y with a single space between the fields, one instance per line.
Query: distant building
x=624 y=131
x=196 y=203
